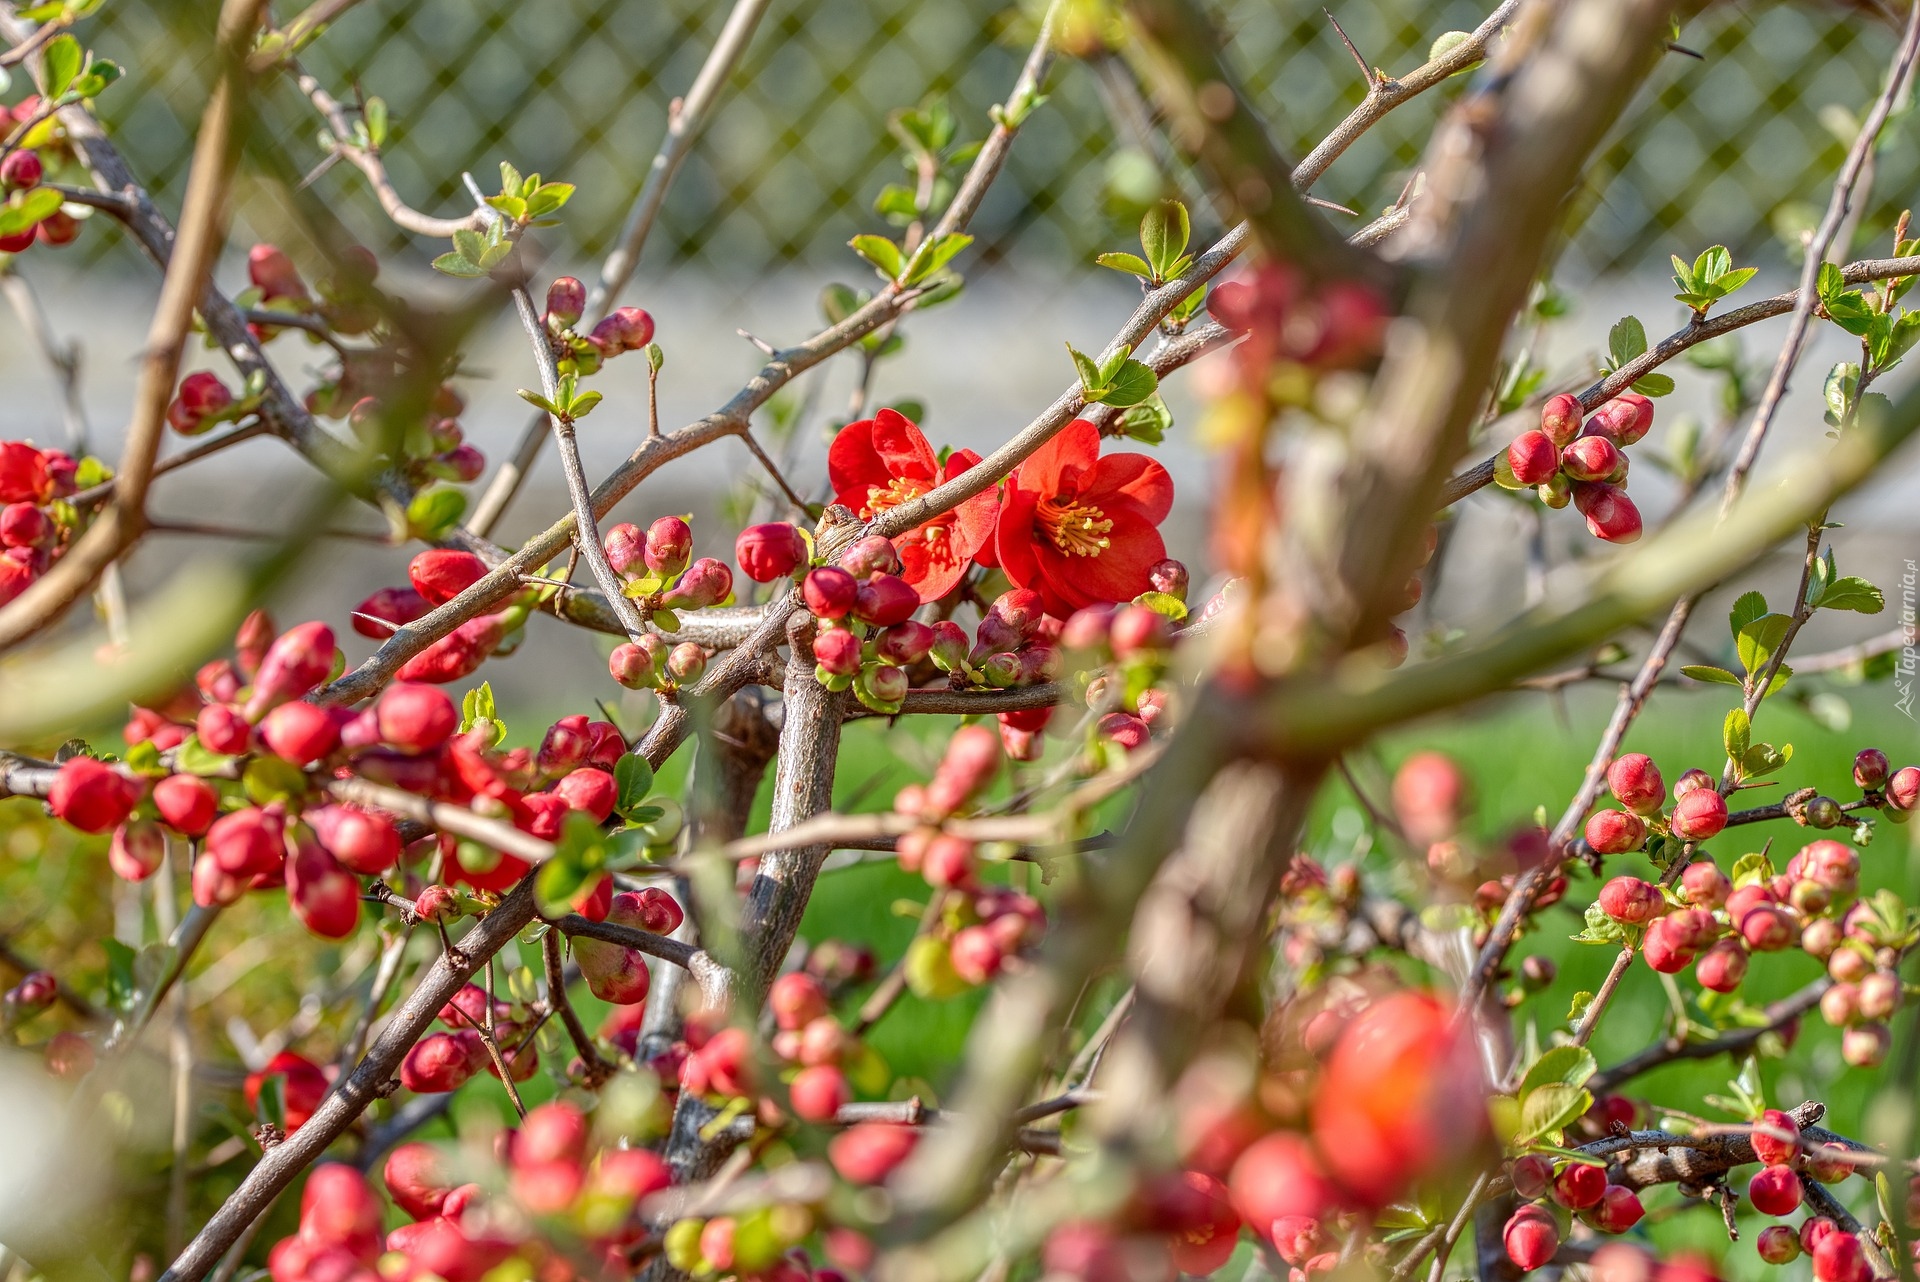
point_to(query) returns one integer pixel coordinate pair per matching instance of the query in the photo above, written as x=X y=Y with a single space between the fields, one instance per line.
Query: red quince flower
x=882 y=462
x=1081 y=529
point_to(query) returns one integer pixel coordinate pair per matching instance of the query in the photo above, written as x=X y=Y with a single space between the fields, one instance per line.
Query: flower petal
x=1014 y=538
x=1135 y=477
x=1060 y=464
x=972 y=523
x=1118 y=573
x=903 y=446
x=854 y=466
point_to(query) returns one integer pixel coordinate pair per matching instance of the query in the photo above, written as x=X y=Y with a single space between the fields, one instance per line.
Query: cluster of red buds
x=33 y=212
x=36 y=524
x=1586 y=465
x=868 y=640
x=346 y=301
x=625 y=329
x=1714 y=921
x=436 y=577
x=659 y=571
x=1533 y=1232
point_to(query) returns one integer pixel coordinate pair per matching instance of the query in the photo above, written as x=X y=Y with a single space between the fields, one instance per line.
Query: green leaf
x=535 y=399
x=1132 y=384
x=935 y=254
x=470 y=244
x=268 y=779
x=1563 y=1065
x=28 y=209
x=1757 y=641
x=1749 y=607
x=837 y=302
x=1733 y=280
x=1716 y=676
x=881 y=252
x=194 y=758
x=897 y=204
x=1164 y=232
x=1601 y=929
x=1552 y=1108
x=121 y=986
x=435 y=511
x=1683 y=277
x=1653 y=385
x=510 y=179
x=1090 y=381
x=455 y=264
x=1626 y=340
x=634 y=780
x=374 y=113
x=1171 y=607
x=1830 y=283
x=1712 y=265
x=1750 y=870
x=1764 y=759
x=582 y=405
x=1147 y=422
x=548 y=198
x=1735 y=733
x=63 y=60
x=1130 y=263
x=1852 y=593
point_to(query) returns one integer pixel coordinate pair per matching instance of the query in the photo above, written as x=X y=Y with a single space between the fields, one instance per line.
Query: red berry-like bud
x=441 y=574
x=21 y=170
x=1776 y=1137
x=634 y=666
x=1774 y=1190
x=1169 y=576
x=1139 y=630
x=1722 y=966
x=269 y=268
x=416 y=1179
x=1879 y=995
x=905 y=644
x=1700 y=815
x=1865 y=1045
x=626 y=550
x=1531 y=1238
x=797 y=999
x=36 y=991
x=1560 y=418
x=566 y=301
x=867 y=1153
x=1590 y=458
x=301 y=732
x=1615 y=832
x=221 y=728
x=1429 y=795
x=24 y=477
x=836 y=651
x=589 y=789
x=625 y=329
x=830 y=592
x=22 y=525
x=1278 y=1176
x=1629 y=899
x=247 y=843
x=1578 y=1185
x=949 y=861
x=297 y=661
x=1611 y=515
x=565 y=745
x=91 y=795
x=976 y=954
x=365 y=841
x=1840 y=1258
x=669 y=545
x=1870 y=768
x=323 y=895
x=819 y=1092
x=1627 y=418
x=1618 y=1210
x=706 y=582
x=1533 y=458
x=137 y=849
x=870 y=556
x=1903 y=788
x=884 y=600
x=1636 y=782
x=1532 y=1175
x=1778 y=1244
x=1703 y=884
x=187 y=803
x=441 y=1062
x=58 y=228
x=416 y=718
x=398 y=606
x=1666 y=948
x=1767 y=929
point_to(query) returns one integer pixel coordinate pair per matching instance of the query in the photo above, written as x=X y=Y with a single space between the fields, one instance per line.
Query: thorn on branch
x=1372 y=77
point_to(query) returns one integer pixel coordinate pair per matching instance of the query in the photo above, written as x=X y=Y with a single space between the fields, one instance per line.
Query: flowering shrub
x=1200 y=1036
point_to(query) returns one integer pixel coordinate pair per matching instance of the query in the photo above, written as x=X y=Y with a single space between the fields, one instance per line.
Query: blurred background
x=1736 y=146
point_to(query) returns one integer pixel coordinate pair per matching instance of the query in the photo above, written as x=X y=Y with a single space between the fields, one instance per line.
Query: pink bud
x=441 y=574
x=1531 y=1238
x=885 y=683
x=1636 y=782
x=626 y=550
x=566 y=300
x=1774 y=1190
x=1618 y=1210
x=1700 y=815
x=706 y=582
x=364 y=841
x=589 y=789
x=137 y=850
x=416 y=718
x=398 y=606
x=222 y=729
x=1625 y=419
x=884 y=600
x=91 y=795
x=625 y=329
x=1611 y=515
x=1578 y=1185
x=1560 y=418
x=1703 y=884
x=274 y=273
x=1869 y=768
x=686 y=661
x=442 y=1062
x=565 y=746
x=1615 y=832
x=1722 y=967
x=669 y=545
x=21 y=171
x=297 y=661
x=1630 y=900
x=1533 y=458
x=22 y=525
x=301 y=732
x=830 y=592
x=634 y=667
x=323 y=895
x=770 y=551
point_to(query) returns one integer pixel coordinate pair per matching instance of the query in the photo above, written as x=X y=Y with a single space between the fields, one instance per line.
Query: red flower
x=1080 y=529
x=884 y=461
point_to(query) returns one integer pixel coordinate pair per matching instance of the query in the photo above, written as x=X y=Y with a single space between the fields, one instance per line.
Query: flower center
x=897 y=491
x=1077 y=529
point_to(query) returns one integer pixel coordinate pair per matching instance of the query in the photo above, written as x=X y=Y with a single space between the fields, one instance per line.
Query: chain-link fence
x=791 y=164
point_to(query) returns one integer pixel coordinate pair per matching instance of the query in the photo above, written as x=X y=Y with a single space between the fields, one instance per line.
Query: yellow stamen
x=1075 y=528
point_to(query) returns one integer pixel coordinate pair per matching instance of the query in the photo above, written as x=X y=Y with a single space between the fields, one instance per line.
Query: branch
x=368 y=1082
x=686 y=118
x=202 y=233
x=367 y=161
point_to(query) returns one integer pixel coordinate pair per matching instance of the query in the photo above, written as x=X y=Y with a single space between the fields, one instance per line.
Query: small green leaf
x=582 y=405
x=1132 y=384
x=1749 y=607
x=375 y=116
x=28 y=209
x=455 y=264
x=535 y=399
x=1164 y=232
x=1563 y=1065
x=63 y=59
x=1733 y=280
x=1626 y=340
x=1764 y=759
x=1757 y=641
x=1830 y=284
x=1750 y=870
x=268 y=779
x=897 y=204
x=1852 y=593
x=1712 y=265
x=1551 y=1109
x=1716 y=676
x=936 y=254
x=1147 y=422
x=435 y=511
x=1171 y=607
x=633 y=778
x=1133 y=264
x=1735 y=733
x=1090 y=381
x=1653 y=385
x=470 y=244
x=510 y=179
x=881 y=252
x=194 y=758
